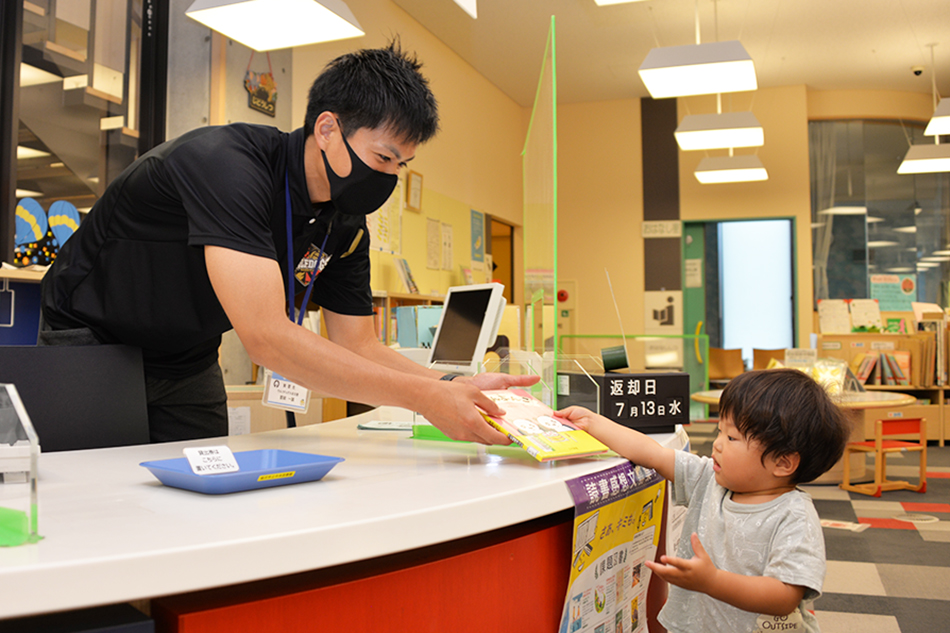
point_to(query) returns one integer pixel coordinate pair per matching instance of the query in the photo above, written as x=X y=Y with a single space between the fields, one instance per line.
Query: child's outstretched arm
x=758 y=594
x=635 y=446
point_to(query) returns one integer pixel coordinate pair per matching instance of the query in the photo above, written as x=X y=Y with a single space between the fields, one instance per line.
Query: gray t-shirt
x=781 y=539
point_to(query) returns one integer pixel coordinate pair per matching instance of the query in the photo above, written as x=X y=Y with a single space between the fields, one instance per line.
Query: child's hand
x=696 y=574
x=582 y=418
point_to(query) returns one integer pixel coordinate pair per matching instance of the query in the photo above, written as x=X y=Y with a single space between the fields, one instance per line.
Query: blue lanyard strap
x=290 y=263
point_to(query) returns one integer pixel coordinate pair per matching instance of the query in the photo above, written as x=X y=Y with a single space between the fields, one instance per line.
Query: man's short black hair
x=376 y=87
x=785 y=411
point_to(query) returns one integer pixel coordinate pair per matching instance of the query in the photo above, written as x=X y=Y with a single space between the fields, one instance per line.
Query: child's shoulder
x=797 y=505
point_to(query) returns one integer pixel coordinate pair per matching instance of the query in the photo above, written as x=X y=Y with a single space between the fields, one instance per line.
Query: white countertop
x=113 y=533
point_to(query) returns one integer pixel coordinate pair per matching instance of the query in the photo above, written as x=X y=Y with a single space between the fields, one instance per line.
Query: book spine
x=502 y=429
x=899 y=377
x=886 y=375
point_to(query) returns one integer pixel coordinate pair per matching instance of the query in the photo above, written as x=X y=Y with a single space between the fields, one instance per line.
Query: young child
x=752 y=554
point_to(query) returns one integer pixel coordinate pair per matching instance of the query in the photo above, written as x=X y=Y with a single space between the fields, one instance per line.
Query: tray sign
x=211 y=460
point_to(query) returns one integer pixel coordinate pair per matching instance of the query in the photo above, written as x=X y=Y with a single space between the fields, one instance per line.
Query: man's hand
x=456 y=408
x=696 y=574
x=453 y=407
x=489 y=381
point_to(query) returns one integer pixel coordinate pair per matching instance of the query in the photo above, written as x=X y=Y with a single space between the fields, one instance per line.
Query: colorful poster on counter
x=617 y=520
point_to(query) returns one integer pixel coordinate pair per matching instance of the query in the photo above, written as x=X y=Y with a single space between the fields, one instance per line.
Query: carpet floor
x=888 y=557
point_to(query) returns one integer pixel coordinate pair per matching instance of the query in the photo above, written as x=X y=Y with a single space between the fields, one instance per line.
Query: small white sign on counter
x=211 y=460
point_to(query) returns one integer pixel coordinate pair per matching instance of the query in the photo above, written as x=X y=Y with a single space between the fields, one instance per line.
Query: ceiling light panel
x=926 y=159
x=716 y=131
x=266 y=25
x=697 y=69
x=723 y=169
x=940 y=122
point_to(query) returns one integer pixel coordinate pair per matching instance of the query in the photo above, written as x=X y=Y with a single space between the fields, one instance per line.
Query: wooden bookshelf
x=384 y=304
x=848 y=346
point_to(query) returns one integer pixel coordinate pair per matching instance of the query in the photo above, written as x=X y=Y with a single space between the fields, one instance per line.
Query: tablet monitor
x=467 y=328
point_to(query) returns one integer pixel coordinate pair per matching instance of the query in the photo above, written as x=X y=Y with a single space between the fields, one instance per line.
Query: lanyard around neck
x=290 y=263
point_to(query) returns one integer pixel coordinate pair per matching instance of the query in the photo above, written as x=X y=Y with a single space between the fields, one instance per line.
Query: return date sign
x=649 y=402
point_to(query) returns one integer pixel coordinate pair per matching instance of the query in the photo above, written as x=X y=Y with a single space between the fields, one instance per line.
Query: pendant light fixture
x=926 y=159
x=723 y=169
x=469 y=7
x=929 y=159
x=719 y=131
x=266 y=25
x=698 y=69
x=940 y=122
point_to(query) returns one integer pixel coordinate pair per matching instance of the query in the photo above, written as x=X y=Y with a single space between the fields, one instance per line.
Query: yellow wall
x=600 y=212
x=473 y=163
x=869 y=104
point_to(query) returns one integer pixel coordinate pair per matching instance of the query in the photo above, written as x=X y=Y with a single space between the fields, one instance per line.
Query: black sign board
x=649 y=402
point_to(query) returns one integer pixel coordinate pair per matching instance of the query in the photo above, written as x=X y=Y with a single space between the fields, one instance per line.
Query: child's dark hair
x=785 y=411
x=376 y=87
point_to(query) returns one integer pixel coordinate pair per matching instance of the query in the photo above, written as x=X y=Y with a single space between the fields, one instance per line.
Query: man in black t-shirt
x=206 y=232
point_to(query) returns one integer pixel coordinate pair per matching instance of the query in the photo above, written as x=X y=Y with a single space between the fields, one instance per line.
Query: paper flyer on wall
x=617 y=519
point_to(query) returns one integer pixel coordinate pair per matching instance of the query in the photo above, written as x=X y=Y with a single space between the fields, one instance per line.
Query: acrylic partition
x=539 y=164
x=653 y=352
x=19 y=452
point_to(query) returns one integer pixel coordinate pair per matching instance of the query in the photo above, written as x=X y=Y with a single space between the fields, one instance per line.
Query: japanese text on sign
x=211 y=460
x=620 y=387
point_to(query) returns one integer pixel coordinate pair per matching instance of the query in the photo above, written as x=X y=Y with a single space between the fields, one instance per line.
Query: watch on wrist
x=450 y=376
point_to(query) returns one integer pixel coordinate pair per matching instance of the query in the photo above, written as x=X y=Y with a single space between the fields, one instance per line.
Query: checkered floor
x=888 y=557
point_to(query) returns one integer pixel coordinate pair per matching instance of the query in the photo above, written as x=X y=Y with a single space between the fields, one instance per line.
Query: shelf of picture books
x=386 y=308
x=914 y=363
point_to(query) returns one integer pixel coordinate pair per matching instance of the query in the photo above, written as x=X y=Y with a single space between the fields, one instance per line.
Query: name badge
x=211 y=460
x=281 y=393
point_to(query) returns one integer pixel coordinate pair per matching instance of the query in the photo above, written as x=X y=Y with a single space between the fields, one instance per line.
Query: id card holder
x=281 y=393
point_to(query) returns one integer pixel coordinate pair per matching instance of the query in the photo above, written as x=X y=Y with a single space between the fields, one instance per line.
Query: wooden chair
x=761 y=357
x=881 y=447
x=724 y=364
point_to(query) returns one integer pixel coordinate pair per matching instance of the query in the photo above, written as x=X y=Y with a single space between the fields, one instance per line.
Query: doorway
x=739 y=283
x=502 y=252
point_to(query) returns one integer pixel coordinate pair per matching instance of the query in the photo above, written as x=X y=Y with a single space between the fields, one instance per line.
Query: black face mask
x=364 y=190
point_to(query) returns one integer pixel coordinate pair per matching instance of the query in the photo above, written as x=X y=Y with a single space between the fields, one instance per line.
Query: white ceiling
x=825 y=44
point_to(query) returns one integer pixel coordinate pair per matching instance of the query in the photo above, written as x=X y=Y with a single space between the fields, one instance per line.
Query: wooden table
x=854 y=402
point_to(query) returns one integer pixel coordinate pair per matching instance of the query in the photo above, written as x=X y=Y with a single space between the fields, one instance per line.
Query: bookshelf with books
x=384 y=305
x=907 y=363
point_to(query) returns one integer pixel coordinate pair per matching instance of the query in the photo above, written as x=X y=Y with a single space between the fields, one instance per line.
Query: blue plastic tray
x=258 y=469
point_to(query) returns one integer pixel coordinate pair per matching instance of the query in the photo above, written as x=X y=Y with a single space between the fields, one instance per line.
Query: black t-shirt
x=134 y=272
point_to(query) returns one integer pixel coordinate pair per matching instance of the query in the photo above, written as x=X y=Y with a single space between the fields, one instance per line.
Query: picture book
x=533 y=426
x=887 y=373
x=903 y=360
x=863 y=366
x=834 y=316
x=405 y=274
x=898 y=369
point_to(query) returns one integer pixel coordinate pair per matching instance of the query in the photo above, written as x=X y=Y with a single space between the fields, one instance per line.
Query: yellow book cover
x=533 y=426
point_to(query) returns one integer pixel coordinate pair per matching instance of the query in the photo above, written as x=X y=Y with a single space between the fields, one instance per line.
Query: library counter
x=113 y=533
